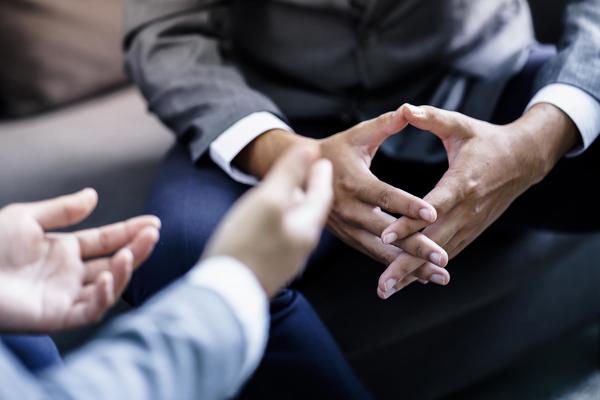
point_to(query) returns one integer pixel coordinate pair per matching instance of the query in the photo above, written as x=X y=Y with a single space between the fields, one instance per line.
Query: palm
x=52 y=290
x=59 y=281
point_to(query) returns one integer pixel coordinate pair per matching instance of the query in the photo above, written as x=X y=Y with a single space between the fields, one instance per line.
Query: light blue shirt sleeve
x=192 y=341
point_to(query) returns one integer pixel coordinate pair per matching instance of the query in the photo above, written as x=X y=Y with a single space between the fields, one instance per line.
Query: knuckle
x=383 y=119
x=384 y=199
x=471 y=188
x=104 y=239
x=420 y=249
x=403 y=228
x=347 y=185
x=361 y=124
x=476 y=209
x=408 y=266
x=344 y=212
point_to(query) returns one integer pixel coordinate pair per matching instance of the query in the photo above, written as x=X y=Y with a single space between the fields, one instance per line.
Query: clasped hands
x=489 y=167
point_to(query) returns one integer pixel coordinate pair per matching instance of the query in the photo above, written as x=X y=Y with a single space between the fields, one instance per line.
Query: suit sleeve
x=578 y=60
x=173 y=54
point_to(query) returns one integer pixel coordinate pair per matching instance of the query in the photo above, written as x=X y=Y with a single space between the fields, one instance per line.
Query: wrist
x=258 y=156
x=546 y=134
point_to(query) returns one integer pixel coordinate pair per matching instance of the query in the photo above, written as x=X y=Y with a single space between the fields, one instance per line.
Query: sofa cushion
x=55 y=52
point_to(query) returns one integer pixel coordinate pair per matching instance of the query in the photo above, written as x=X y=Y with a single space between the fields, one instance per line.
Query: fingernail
x=389 y=284
x=128 y=254
x=436 y=258
x=389 y=293
x=88 y=191
x=390 y=237
x=426 y=214
x=438 y=279
x=416 y=111
x=423 y=281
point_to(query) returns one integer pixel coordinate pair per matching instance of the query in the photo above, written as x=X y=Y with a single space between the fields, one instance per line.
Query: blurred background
x=70 y=119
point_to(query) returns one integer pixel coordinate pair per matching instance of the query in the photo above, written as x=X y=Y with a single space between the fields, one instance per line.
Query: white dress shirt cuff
x=241 y=291
x=231 y=142
x=581 y=107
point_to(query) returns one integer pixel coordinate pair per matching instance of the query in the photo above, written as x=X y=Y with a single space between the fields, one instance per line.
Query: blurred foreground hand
x=56 y=281
x=275 y=226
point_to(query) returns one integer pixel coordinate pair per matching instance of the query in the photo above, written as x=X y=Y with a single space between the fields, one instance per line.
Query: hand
x=357 y=216
x=363 y=203
x=489 y=167
x=56 y=281
x=273 y=228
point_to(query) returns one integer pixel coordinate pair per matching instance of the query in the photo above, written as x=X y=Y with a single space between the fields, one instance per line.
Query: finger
x=143 y=244
x=445 y=196
x=120 y=266
x=462 y=239
x=365 y=216
x=313 y=210
x=444 y=124
x=403 y=227
x=432 y=273
x=94 y=300
x=140 y=248
x=395 y=200
x=421 y=246
x=103 y=241
x=374 y=132
x=121 y=269
x=446 y=228
x=373 y=220
x=363 y=241
x=64 y=211
x=403 y=267
x=290 y=172
x=450 y=191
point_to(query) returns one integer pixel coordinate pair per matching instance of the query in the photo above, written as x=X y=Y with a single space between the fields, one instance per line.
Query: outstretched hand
x=56 y=281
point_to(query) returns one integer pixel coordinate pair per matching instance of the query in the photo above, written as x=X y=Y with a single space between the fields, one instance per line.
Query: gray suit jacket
x=204 y=64
x=185 y=344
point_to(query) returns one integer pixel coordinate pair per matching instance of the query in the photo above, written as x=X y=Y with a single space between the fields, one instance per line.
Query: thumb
x=442 y=123
x=64 y=211
x=310 y=215
x=290 y=171
x=374 y=132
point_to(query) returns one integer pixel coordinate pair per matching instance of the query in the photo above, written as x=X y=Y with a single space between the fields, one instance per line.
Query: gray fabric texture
x=203 y=65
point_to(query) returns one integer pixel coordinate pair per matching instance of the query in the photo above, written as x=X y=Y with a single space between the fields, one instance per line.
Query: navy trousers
x=35 y=352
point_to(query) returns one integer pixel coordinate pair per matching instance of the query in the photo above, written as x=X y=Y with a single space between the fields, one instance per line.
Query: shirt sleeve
x=239 y=288
x=581 y=107
x=230 y=143
x=200 y=338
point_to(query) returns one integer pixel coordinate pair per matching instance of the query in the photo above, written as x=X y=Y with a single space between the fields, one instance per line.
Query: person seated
x=201 y=337
x=238 y=82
